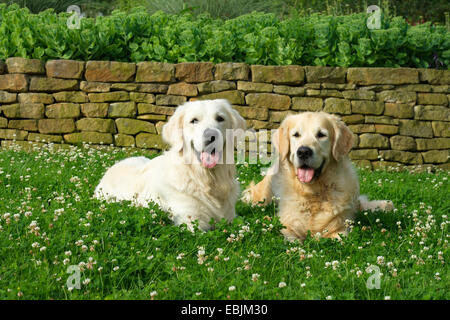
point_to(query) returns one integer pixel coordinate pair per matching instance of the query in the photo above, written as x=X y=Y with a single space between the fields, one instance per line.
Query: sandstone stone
x=415 y=128
x=233 y=96
x=194 y=72
x=367 y=107
x=436 y=156
x=340 y=86
x=433 y=144
x=432 y=98
x=125 y=86
x=56 y=126
x=258 y=124
x=373 y=140
x=402 y=143
x=183 y=89
x=269 y=100
x=253 y=113
x=399 y=110
x=254 y=87
x=67 y=69
x=96 y=124
x=13 y=134
x=353 y=119
x=6 y=97
x=441 y=89
x=28 y=125
x=133 y=126
x=152 y=117
x=26 y=98
x=150 y=141
x=142 y=97
x=52 y=84
x=89 y=137
x=325 y=93
x=312 y=86
x=159 y=126
x=307 y=104
x=150 y=71
x=215 y=86
x=231 y=71
x=381 y=120
x=278 y=74
x=153 y=88
x=167 y=100
x=434 y=76
x=110 y=71
x=365 y=164
x=124 y=140
x=14 y=82
x=63 y=110
x=37 y=137
x=364 y=154
x=335 y=105
x=278 y=116
x=3 y=122
x=326 y=74
x=87 y=86
x=432 y=113
x=24 y=110
x=290 y=91
x=71 y=96
x=386 y=129
x=362 y=128
x=369 y=76
x=359 y=94
x=401 y=156
x=441 y=129
x=94 y=110
x=395 y=96
x=22 y=65
x=109 y=96
x=122 y=110
x=421 y=87
x=144 y=108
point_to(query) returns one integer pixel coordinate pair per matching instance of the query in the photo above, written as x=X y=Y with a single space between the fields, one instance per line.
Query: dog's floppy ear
x=172 y=131
x=280 y=140
x=343 y=138
x=237 y=121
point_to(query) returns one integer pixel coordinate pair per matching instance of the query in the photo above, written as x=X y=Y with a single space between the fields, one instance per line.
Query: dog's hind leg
x=375 y=205
x=260 y=193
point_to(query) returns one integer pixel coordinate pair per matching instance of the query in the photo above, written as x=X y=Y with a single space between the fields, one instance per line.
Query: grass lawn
x=48 y=221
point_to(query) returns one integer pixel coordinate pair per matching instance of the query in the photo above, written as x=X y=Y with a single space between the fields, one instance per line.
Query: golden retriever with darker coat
x=314 y=178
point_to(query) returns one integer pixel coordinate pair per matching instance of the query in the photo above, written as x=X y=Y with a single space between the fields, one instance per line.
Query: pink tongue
x=305 y=175
x=208 y=160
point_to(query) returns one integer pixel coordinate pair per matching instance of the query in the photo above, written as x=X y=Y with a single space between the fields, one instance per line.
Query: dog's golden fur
x=323 y=205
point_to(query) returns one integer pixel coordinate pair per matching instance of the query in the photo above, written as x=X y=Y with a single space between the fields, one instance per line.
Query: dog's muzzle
x=305 y=172
x=212 y=150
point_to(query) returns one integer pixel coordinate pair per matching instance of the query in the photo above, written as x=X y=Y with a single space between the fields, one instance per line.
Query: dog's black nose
x=209 y=136
x=304 y=152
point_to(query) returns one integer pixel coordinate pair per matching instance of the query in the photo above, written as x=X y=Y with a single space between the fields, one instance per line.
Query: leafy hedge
x=255 y=39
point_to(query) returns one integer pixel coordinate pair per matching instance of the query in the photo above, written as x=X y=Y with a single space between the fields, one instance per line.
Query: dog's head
x=310 y=141
x=198 y=129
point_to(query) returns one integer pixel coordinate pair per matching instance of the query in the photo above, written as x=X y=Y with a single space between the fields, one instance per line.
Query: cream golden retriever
x=192 y=180
x=315 y=181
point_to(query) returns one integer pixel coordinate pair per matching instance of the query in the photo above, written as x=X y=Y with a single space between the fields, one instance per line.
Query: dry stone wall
x=398 y=116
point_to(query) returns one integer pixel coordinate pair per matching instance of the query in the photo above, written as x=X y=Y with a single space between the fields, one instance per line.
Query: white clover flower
x=231 y=288
x=282 y=284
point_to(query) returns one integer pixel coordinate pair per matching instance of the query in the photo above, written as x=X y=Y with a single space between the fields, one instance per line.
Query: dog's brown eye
x=320 y=135
x=296 y=135
x=195 y=120
x=220 y=119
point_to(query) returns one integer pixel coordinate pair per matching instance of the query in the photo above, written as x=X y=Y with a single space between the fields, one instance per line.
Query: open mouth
x=209 y=159
x=306 y=174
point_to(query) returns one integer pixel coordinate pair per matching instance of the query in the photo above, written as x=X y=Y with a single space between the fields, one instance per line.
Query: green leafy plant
x=255 y=38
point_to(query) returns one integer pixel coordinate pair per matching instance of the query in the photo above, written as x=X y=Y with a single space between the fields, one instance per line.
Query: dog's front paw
x=247 y=196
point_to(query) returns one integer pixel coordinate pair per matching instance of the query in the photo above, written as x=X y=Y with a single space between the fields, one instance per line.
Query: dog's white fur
x=176 y=180
x=325 y=203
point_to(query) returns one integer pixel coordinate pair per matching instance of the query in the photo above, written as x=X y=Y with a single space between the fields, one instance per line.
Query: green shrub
x=255 y=38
